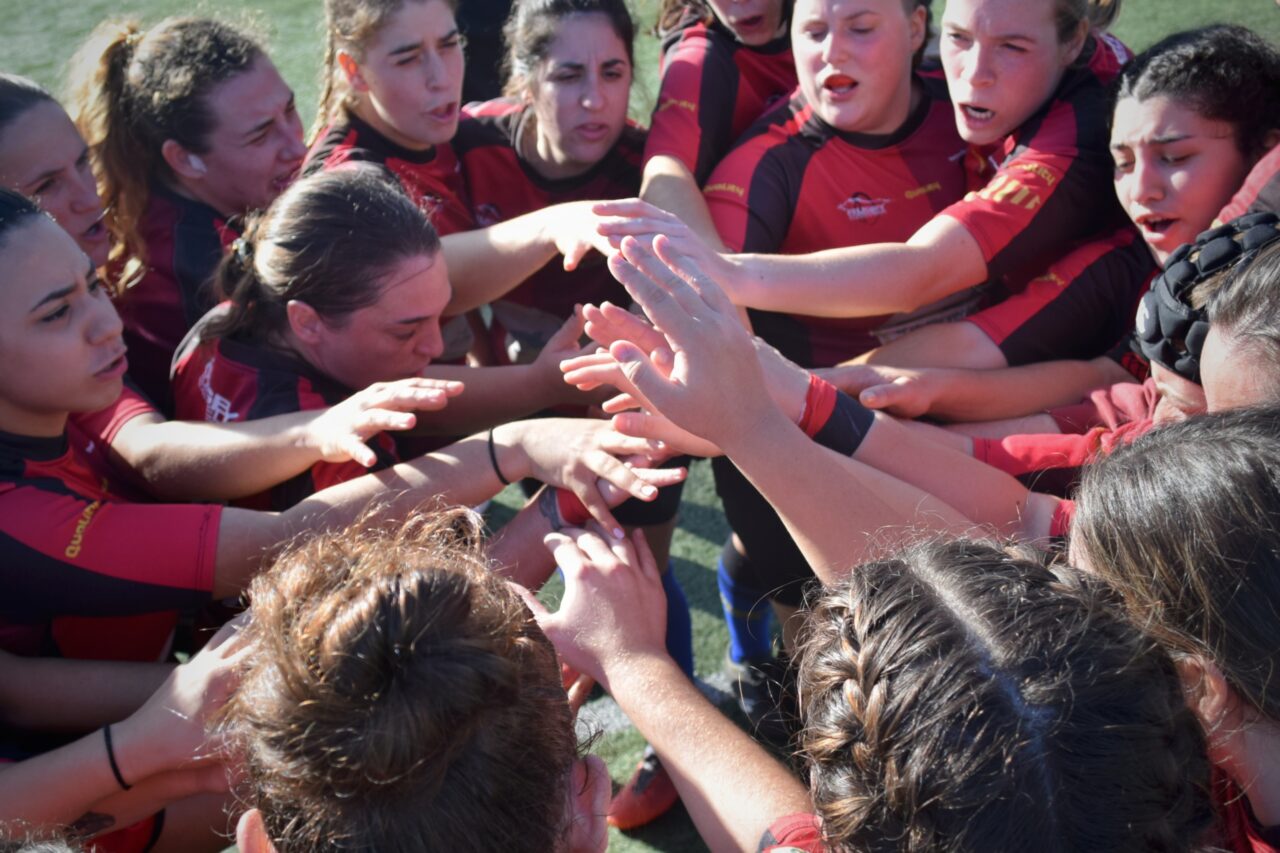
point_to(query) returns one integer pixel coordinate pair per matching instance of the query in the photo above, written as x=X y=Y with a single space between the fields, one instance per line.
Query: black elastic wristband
x=493 y=457
x=849 y=423
x=111 y=757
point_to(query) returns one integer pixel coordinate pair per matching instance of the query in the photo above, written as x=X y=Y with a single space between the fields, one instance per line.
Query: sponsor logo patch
x=861 y=207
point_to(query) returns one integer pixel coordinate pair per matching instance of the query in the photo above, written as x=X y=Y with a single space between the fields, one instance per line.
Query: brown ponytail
x=131 y=90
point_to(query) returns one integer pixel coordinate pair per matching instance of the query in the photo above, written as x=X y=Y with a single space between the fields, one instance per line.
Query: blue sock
x=679 y=622
x=747 y=614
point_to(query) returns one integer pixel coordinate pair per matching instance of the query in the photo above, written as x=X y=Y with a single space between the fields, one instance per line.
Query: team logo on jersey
x=217 y=408
x=861 y=207
x=487 y=214
x=430 y=205
x=676 y=103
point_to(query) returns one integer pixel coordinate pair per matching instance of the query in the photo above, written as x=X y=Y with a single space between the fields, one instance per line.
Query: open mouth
x=750 y=24
x=839 y=84
x=977 y=113
x=444 y=113
x=1155 y=224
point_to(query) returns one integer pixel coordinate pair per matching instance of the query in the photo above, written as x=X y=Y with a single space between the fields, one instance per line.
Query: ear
x=919 y=23
x=182 y=162
x=1207 y=693
x=589 y=792
x=351 y=70
x=304 y=321
x=251 y=834
x=1071 y=50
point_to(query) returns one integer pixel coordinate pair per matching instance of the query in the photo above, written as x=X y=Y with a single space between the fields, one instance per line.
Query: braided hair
x=964 y=697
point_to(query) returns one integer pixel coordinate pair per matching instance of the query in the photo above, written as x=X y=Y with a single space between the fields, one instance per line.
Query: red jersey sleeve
x=106 y=423
x=801 y=833
x=68 y=555
x=692 y=118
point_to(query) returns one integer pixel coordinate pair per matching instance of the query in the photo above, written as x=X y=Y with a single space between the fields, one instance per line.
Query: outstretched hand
x=706 y=379
x=613 y=608
x=339 y=433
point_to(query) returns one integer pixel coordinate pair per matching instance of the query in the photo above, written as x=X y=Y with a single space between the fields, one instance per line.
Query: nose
x=1148 y=180
x=431 y=342
x=592 y=93
x=978 y=69
x=294 y=148
x=103 y=324
x=86 y=194
x=434 y=70
x=831 y=48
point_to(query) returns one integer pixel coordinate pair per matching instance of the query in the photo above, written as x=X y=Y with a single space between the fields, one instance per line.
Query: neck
x=1251 y=757
x=536 y=150
x=35 y=424
x=367 y=114
x=196 y=192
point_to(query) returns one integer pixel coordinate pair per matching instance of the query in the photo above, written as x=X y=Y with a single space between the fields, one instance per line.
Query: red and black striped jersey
x=185 y=240
x=1049 y=184
x=432 y=178
x=89 y=568
x=501 y=185
x=223 y=381
x=713 y=87
x=796 y=185
x=1079 y=307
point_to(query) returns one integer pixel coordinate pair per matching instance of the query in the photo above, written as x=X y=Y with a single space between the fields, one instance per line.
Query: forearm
x=1011 y=392
x=862 y=281
x=840 y=511
x=669 y=185
x=495 y=395
x=53 y=694
x=516 y=551
x=191 y=461
x=460 y=474
x=731 y=787
x=487 y=263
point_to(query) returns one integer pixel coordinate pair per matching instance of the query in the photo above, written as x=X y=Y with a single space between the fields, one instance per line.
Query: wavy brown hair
x=400 y=698
x=1185 y=523
x=964 y=697
x=133 y=89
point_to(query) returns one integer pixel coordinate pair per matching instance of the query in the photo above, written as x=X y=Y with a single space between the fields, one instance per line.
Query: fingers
x=677 y=286
x=659 y=478
x=620 y=403
x=411 y=394
x=359 y=452
x=609 y=323
x=645 y=562
x=687 y=268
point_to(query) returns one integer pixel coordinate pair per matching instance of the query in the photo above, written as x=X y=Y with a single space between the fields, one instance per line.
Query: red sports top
x=796 y=185
x=502 y=185
x=797 y=833
x=88 y=570
x=1049 y=184
x=713 y=87
x=1261 y=189
x=184 y=240
x=1079 y=307
x=222 y=380
x=432 y=178
x=1240 y=831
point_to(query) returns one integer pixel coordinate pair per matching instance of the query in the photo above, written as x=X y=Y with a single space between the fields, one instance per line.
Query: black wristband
x=493 y=457
x=848 y=425
x=111 y=757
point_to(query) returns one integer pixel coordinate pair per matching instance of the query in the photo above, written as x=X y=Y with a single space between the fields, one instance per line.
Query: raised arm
x=486 y=263
x=611 y=625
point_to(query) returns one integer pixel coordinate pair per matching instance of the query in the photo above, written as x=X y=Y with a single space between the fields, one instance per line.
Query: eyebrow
x=417 y=45
x=54 y=296
x=268 y=121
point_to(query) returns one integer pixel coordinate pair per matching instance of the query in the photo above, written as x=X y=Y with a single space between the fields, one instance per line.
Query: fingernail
x=648 y=491
x=618 y=533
